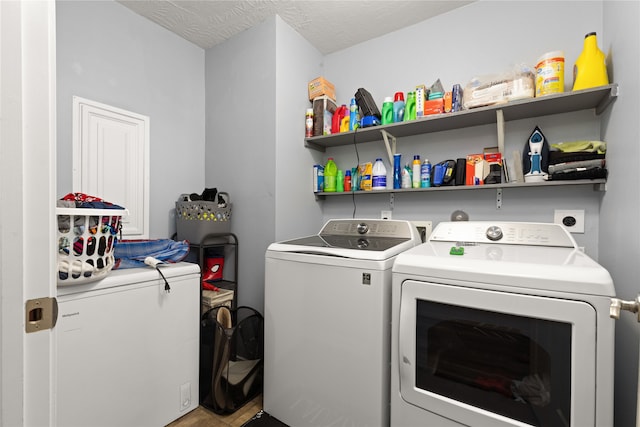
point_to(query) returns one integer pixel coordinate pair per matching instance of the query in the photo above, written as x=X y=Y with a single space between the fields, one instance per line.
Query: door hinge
x=41 y=314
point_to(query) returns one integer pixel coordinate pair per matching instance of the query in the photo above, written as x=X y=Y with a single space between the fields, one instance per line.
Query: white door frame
x=27 y=216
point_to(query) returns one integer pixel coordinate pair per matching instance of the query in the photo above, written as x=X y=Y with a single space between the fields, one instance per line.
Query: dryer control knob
x=363 y=228
x=494 y=233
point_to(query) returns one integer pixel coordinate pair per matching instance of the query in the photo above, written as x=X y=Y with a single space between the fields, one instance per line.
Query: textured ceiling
x=329 y=25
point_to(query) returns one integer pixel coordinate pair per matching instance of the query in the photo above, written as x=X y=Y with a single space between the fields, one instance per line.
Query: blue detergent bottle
x=353 y=114
x=398 y=107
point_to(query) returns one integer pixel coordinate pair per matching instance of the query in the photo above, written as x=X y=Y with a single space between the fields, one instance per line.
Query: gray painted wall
x=489 y=39
x=108 y=54
x=241 y=134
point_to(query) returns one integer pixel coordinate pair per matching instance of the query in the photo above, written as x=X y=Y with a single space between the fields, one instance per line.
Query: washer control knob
x=494 y=233
x=363 y=228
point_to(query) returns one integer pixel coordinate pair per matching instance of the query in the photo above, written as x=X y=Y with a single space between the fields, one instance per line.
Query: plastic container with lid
x=347 y=180
x=379 y=173
x=397 y=171
x=387 y=111
x=425 y=174
x=353 y=115
x=330 y=175
x=550 y=73
x=590 y=69
x=406 y=176
x=410 y=107
x=398 y=107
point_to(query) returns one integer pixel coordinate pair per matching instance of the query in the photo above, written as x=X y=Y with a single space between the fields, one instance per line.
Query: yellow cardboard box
x=321 y=86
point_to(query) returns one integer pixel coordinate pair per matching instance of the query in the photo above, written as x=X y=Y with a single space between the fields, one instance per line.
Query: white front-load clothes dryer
x=501 y=324
x=328 y=323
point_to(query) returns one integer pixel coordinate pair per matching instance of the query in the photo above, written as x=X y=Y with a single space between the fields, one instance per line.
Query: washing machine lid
x=367 y=239
x=519 y=255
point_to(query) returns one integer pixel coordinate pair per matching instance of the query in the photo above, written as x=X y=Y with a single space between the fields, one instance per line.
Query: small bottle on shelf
x=425 y=174
x=347 y=180
x=379 y=175
x=308 y=123
x=416 y=166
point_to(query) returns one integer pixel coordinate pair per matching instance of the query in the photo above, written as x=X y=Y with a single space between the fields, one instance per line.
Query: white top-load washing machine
x=327 y=323
x=501 y=324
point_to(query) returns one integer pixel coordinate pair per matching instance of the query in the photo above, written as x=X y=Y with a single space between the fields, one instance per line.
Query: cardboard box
x=434 y=106
x=421 y=98
x=474 y=174
x=494 y=164
x=319 y=87
x=323 y=109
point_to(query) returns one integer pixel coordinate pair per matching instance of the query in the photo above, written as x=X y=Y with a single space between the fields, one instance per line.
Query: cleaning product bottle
x=336 y=120
x=398 y=107
x=590 y=69
x=410 y=107
x=308 y=123
x=355 y=179
x=330 y=175
x=339 y=181
x=347 y=180
x=397 y=171
x=415 y=175
x=406 y=176
x=425 y=174
x=387 y=111
x=353 y=115
x=379 y=173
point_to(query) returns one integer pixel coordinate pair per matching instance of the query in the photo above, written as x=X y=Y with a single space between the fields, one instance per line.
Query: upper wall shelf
x=598 y=98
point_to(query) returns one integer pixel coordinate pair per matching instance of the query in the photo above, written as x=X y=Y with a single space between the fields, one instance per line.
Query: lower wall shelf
x=598 y=185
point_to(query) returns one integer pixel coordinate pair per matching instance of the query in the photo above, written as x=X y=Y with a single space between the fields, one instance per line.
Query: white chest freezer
x=127 y=350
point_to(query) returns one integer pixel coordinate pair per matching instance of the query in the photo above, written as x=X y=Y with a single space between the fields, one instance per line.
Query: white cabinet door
x=111 y=160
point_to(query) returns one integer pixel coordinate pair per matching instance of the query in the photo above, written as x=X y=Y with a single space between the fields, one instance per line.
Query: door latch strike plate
x=41 y=314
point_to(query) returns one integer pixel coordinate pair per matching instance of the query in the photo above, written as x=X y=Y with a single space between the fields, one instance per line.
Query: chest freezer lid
x=128 y=276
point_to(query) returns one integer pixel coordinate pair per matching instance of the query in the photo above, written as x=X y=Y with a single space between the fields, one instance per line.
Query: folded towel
x=595 y=173
x=576 y=146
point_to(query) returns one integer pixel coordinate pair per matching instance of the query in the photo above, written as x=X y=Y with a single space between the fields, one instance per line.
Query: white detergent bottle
x=379 y=174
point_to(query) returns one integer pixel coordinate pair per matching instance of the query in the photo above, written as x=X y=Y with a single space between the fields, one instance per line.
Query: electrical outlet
x=185 y=396
x=573 y=220
x=424 y=229
x=385 y=214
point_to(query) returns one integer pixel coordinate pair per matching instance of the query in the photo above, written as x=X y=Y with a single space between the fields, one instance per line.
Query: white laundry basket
x=86 y=239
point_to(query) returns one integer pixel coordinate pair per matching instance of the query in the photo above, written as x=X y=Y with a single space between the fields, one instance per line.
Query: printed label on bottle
x=380 y=181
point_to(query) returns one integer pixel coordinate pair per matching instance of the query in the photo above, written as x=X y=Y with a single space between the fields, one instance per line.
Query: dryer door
x=483 y=357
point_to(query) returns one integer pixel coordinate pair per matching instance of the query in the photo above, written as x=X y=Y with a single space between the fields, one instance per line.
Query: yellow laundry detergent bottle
x=590 y=69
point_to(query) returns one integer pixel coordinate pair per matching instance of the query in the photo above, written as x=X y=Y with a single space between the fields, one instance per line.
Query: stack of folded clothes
x=577 y=160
